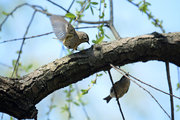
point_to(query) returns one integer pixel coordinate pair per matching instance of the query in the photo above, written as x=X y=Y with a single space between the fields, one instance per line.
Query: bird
x=66 y=33
x=121 y=87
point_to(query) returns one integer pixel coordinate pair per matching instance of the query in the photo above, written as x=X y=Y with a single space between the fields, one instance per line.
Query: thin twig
x=148 y=14
x=58 y=5
x=151 y=96
x=5 y=65
x=11 y=14
x=17 y=7
x=88 y=27
x=17 y=39
x=41 y=11
x=116 y=95
x=114 y=31
x=111 y=12
x=83 y=106
x=111 y=25
x=71 y=5
x=81 y=11
x=170 y=89
x=127 y=76
x=22 y=44
x=69 y=103
x=93 y=22
x=99 y=12
x=144 y=82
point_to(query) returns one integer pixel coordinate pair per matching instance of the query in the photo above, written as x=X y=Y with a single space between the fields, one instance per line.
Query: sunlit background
x=129 y=22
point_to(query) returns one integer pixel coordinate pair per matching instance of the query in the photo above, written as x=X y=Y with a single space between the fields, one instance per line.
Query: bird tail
x=108 y=98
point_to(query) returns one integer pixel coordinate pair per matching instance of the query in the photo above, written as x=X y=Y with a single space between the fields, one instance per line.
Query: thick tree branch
x=18 y=97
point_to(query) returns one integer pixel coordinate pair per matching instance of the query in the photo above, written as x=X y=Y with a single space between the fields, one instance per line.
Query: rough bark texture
x=18 y=97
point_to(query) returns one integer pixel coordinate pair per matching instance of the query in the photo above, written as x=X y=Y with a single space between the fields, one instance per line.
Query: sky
x=129 y=22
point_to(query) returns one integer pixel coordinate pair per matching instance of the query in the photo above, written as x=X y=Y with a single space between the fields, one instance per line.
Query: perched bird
x=66 y=33
x=121 y=88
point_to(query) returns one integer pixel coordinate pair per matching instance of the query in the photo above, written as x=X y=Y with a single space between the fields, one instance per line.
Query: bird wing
x=59 y=25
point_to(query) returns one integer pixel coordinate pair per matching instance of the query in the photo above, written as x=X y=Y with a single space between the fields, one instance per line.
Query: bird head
x=83 y=37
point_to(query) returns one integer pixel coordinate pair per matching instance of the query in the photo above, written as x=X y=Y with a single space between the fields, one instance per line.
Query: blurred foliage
x=178 y=107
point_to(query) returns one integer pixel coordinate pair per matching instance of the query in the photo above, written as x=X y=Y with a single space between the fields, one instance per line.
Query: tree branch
x=111 y=22
x=19 y=96
x=170 y=89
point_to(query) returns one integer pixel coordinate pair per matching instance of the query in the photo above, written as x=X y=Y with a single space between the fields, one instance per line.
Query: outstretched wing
x=59 y=25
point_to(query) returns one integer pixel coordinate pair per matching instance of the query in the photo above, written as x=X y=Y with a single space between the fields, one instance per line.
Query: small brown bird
x=121 y=87
x=65 y=32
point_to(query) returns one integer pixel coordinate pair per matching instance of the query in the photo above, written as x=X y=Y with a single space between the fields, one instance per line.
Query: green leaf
x=66 y=91
x=139 y=3
x=64 y=108
x=150 y=15
x=72 y=90
x=105 y=5
x=107 y=36
x=99 y=75
x=102 y=32
x=102 y=16
x=11 y=118
x=70 y=15
x=148 y=4
x=30 y=66
x=76 y=103
x=27 y=68
x=13 y=62
x=78 y=14
x=52 y=106
x=102 y=1
x=178 y=108
x=178 y=86
x=87 y=6
x=93 y=81
x=69 y=100
x=84 y=91
x=18 y=52
x=143 y=8
x=92 y=10
x=5 y=13
x=80 y=2
x=94 y=41
x=154 y=23
x=94 y=3
x=70 y=21
x=96 y=36
x=100 y=39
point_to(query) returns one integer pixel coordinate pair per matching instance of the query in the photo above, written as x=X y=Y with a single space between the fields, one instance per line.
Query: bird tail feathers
x=108 y=98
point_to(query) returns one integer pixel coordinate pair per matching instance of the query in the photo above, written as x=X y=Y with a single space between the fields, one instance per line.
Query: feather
x=59 y=25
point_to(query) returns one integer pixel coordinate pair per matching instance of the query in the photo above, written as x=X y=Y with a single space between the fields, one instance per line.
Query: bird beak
x=88 y=42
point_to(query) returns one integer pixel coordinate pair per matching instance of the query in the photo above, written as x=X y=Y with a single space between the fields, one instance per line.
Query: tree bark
x=18 y=96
